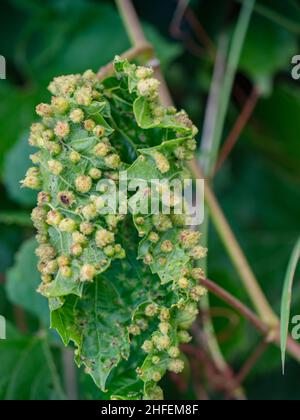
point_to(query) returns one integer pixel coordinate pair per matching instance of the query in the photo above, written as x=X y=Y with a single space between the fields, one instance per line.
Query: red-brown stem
x=238 y=127
x=250 y=363
x=272 y=334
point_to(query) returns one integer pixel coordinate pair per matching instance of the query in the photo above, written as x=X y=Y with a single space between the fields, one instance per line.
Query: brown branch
x=272 y=334
x=250 y=363
x=239 y=126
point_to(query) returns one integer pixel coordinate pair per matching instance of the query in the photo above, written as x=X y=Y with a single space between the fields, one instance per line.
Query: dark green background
x=258 y=187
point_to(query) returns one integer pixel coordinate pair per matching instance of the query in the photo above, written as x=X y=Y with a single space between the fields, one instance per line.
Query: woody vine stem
x=267 y=322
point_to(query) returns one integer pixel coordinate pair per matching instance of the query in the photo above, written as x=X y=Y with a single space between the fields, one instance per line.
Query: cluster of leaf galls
x=73 y=211
x=78 y=241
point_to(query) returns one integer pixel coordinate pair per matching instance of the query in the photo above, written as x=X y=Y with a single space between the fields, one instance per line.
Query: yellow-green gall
x=164 y=327
x=101 y=150
x=162 y=162
x=109 y=251
x=180 y=152
x=32 y=179
x=53 y=148
x=66 y=198
x=44 y=110
x=197 y=293
x=162 y=222
x=54 y=218
x=139 y=221
x=134 y=330
x=66 y=271
x=79 y=238
x=67 y=225
x=151 y=310
x=89 y=75
x=112 y=221
x=148 y=259
x=197 y=274
x=46 y=278
x=87 y=272
x=112 y=161
x=143 y=72
x=76 y=250
x=198 y=252
x=89 y=124
x=148 y=87
x=189 y=238
x=155 y=360
x=74 y=157
x=55 y=167
x=35 y=158
x=174 y=352
x=42 y=238
x=121 y=254
x=48 y=135
x=99 y=131
x=156 y=376
x=166 y=246
x=164 y=314
x=104 y=238
x=43 y=198
x=63 y=85
x=77 y=116
x=86 y=228
x=95 y=173
x=62 y=129
x=37 y=128
x=191 y=145
x=183 y=283
x=162 y=261
x=153 y=237
x=161 y=342
x=176 y=365
x=99 y=203
x=45 y=252
x=187 y=315
x=147 y=346
x=38 y=216
x=83 y=183
x=63 y=261
x=51 y=267
x=89 y=212
x=184 y=337
x=59 y=104
x=83 y=96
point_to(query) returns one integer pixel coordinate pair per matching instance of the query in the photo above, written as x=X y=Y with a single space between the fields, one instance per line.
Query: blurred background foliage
x=258 y=186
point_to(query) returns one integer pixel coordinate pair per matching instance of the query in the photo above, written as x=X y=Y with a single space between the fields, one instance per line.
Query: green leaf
x=22 y=281
x=142 y=112
x=91 y=324
x=286 y=300
x=26 y=372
